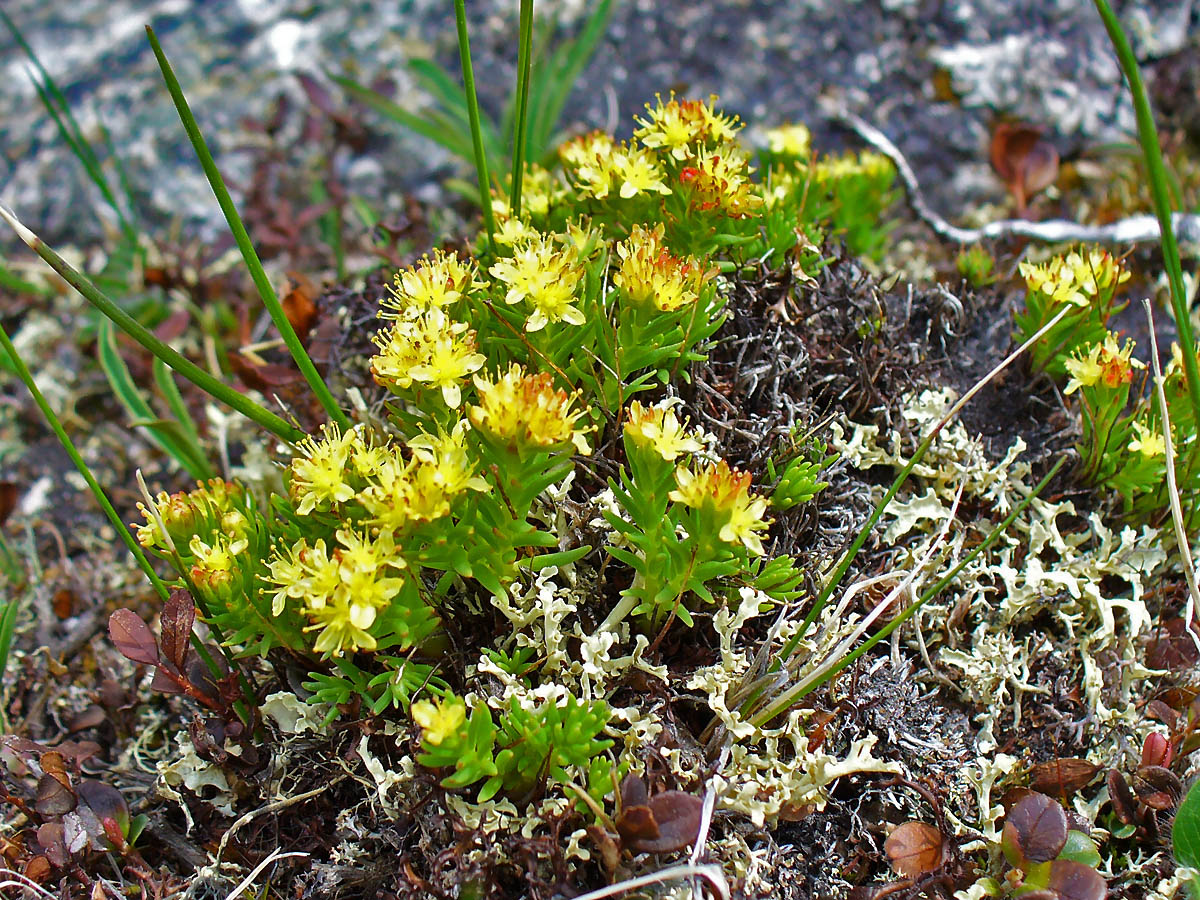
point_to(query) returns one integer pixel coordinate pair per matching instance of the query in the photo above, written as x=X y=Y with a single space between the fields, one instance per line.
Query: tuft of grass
x=481 y=163
x=1159 y=181
x=170 y=357
x=249 y=255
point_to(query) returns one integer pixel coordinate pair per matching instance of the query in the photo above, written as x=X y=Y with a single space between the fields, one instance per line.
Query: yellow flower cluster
x=677 y=127
x=215 y=571
x=436 y=281
x=344 y=588
x=207 y=509
x=439 y=720
x=790 y=140
x=659 y=428
x=526 y=412
x=341 y=591
x=868 y=164
x=545 y=275
x=426 y=347
x=1147 y=441
x=650 y=274
x=1106 y=364
x=725 y=493
x=598 y=166
x=720 y=180
x=1077 y=278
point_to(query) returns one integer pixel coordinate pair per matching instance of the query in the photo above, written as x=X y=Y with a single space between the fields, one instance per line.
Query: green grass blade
x=98 y=492
x=575 y=58
x=170 y=391
x=139 y=410
x=433 y=131
x=173 y=358
x=8 y=624
x=1157 y=175
x=524 y=62
x=56 y=105
x=249 y=256
x=481 y=166
x=788 y=698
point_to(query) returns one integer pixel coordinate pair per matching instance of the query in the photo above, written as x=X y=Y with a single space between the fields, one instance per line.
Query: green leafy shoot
x=549 y=83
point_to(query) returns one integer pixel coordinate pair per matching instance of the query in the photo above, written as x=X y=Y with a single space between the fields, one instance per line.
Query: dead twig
x=1140 y=229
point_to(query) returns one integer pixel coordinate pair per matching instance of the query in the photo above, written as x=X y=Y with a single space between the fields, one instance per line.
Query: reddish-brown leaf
x=678 y=817
x=132 y=637
x=1062 y=777
x=1075 y=881
x=633 y=791
x=92 y=717
x=1027 y=163
x=914 y=848
x=265 y=377
x=38 y=869
x=179 y=612
x=1156 y=750
x=636 y=823
x=8 y=499
x=1123 y=802
x=54 y=796
x=105 y=801
x=63 y=603
x=300 y=307
x=1157 y=787
x=1035 y=830
x=1173 y=648
x=165 y=683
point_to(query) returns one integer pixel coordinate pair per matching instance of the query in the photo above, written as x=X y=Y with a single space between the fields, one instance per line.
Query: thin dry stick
x=273 y=856
x=1141 y=229
x=710 y=873
x=271 y=807
x=1185 y=550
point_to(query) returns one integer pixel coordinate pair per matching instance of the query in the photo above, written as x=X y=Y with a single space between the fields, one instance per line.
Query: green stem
x=56 y=426
x=173 y=358
x=799 y=691
x=481 y=168
x=1157 y=176
x=524 y=62
x=253 y=264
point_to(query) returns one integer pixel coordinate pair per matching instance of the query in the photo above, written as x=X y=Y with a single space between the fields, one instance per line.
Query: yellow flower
x=1077 y=278
x=435 y=281
x=429 y=348
x=726 y=494
x=638 y=173
x=679 y=126
x=790 y=140
x=720 y=180
x=650 y=274
x=1147 y=441
x=439 y=721
x=447 y=458
x=658 y=427
x=525 y=411
x=1106 y=364
x=588 y=162
x=546 y=276
x=318 y=473
x=341 y=593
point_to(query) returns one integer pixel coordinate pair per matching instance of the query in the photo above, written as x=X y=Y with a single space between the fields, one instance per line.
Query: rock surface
x=1045 y=62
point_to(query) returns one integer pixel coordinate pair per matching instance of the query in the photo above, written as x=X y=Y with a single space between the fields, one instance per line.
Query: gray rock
x=1046 y=62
